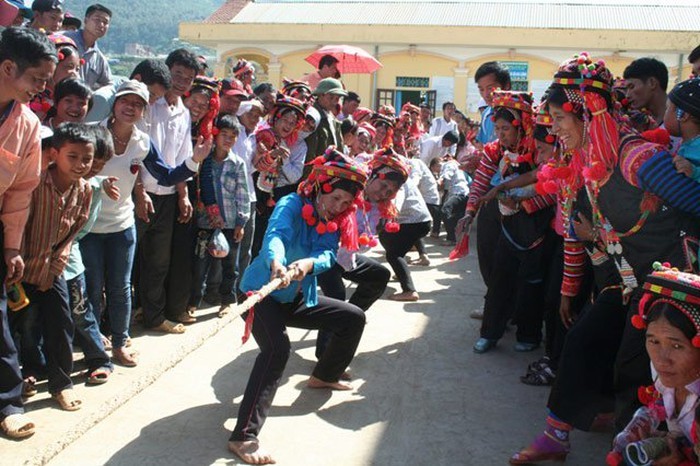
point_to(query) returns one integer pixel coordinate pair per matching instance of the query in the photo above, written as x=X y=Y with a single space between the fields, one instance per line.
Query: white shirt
x=683 y=422
x=430 y=148
x=169 y=128
x=440 y=126
x=245 y=149
x=426 y=182
x=116 y=216
x=410 y=204
x=455 y=179
x=293 y=166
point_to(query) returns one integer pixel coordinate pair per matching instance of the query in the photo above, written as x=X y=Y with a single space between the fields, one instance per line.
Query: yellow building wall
x=538 y=68
x=403 y=64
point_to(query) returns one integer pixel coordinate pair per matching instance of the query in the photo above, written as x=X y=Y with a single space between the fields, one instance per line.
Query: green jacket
x=318 y=141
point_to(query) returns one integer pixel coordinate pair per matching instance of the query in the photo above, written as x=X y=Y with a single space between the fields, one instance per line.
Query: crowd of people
x=146 y=199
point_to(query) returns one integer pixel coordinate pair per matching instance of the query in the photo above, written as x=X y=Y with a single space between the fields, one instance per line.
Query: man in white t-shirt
x=437 y=146
x=445 y=123
x=164 y=235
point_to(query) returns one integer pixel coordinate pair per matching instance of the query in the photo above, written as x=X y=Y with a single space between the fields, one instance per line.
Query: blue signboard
x=518 y=70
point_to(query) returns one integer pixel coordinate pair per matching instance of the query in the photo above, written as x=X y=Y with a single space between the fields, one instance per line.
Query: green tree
x=149 y=22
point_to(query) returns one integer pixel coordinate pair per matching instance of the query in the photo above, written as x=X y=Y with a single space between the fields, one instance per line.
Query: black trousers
x=452 y=211
x=555 y=331
x=488 y=230
x=398 y=244
x=516 y=281
x=584 y=384
x=57 y=330
x=345 y=321
x=154 y=241
x=371 y=278
x=435 y=214
x=166 y=254
x=10 y=374
x=181 y=270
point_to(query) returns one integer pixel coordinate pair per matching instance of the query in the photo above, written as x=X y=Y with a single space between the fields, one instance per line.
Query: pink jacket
x=20 y=164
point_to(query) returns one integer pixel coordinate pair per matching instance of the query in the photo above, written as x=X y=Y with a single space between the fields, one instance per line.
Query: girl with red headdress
x=274 y=140
x=388 y=173
x=300 y=243
x=520 y=248
x=68 y=66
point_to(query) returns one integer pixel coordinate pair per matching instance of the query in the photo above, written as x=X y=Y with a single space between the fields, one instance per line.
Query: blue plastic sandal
x=483 y=345
x=522 y=347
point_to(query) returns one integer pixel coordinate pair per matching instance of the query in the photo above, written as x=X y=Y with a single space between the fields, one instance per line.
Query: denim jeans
x=108 y=258
x=10 y=375
x=57 y=330
x=87 y=329
x=202 y=264
x=25 y=328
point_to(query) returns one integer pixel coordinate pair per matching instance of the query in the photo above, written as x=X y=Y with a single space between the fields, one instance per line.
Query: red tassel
x=332 y=227
x=657 y=136
x=321 y=228
x=650 y=202
x=696 y=341
x=392 y=227
x=550 y=187
x=327 y=188
x=307 y=211
x=363 y=239
x=646 y=297
x=82 y=62
x=248 y=325
x=549 y=139
x=461 y=249
x=568 y=107
x=638 y=322
x=61 y=56
x=614 y=459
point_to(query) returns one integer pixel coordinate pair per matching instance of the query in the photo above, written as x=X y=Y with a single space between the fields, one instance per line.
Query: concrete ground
x=421 y=395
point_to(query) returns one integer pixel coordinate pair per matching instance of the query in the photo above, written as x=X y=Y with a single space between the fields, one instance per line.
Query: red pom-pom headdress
x=380 y=119
x=241 y=67
x=670 y=286
x=297 y=89
x=210 y=87
x=588 y=87
x=386 y=160
x=328 y=169
x=519 y=104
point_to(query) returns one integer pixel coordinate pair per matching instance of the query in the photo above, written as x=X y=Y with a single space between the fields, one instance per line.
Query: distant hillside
x=149 y=22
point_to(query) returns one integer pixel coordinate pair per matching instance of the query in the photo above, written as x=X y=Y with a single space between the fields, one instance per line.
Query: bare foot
x=250 y=452
x=318 y=383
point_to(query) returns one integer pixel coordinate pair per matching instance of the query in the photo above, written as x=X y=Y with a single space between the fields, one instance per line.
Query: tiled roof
x=560 y=15
x=227 y=11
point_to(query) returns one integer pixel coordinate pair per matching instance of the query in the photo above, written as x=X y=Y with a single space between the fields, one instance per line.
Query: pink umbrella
x=350 y=59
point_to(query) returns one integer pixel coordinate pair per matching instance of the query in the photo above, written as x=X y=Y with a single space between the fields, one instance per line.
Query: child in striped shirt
x=60 y=207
